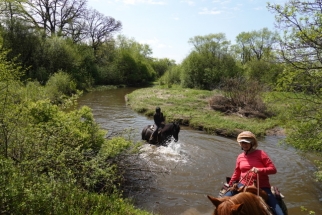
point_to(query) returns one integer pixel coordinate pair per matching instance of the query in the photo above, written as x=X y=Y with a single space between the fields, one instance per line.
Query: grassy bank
x=190 y=107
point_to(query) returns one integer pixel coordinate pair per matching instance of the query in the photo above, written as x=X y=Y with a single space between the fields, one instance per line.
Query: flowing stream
x=198 y=163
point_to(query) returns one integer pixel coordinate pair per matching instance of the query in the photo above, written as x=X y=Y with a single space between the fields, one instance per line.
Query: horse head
x=234 y=209
x=241 y=203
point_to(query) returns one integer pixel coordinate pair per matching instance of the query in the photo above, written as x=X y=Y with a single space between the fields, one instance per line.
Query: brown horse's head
x=244 y=203
x=234 y=209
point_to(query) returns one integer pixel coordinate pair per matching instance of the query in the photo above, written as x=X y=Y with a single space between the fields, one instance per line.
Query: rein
x=248 y=182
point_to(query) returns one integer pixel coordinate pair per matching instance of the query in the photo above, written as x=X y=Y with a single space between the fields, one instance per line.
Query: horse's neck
x=168 y=129
x=252 y=204
x=254 y=190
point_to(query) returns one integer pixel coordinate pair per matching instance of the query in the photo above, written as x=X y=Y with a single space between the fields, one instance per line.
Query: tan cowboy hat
x=248 y=137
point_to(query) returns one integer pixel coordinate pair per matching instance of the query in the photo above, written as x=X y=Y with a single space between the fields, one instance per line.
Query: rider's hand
x=235 y=186
x=255 y=170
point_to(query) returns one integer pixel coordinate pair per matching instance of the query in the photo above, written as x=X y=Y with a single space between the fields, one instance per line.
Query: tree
x=301 y=48
x=256 y=45
x=160 y=66
x=54 y=16
x=213 y=44
x=209 y=62
x=99 y=28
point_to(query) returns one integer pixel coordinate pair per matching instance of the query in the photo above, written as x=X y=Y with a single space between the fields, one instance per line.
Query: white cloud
x=221 y=1
x=206 y=11
x=225 y=2
x=235 y=8
x=153 y=42
x=189 y=2
x=258 y=8
x=143 y=2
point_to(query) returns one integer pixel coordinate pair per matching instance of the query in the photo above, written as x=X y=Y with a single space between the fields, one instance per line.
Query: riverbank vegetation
x=55 y=159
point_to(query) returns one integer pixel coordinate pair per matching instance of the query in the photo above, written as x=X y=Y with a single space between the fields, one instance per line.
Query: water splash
x=170 y=152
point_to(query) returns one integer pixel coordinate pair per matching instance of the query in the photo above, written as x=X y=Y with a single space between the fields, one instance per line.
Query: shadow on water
x=196 y=165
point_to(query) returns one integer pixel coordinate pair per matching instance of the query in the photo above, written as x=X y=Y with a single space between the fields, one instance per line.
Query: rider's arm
x=269 y=167
x=236 y=175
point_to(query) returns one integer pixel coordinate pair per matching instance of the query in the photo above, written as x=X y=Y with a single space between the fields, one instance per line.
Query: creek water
x=198 y=163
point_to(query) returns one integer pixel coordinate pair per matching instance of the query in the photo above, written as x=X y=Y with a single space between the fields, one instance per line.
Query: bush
x=59 y=86
x=240 y=96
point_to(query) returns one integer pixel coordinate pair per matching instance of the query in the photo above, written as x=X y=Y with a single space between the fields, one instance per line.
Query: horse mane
x=252 y=206
x=244 y=203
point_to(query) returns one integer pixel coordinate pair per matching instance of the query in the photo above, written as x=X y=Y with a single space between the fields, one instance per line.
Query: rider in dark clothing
x=158 y=121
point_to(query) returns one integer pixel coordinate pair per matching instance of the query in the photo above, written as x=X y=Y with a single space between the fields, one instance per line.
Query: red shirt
x=258 y=159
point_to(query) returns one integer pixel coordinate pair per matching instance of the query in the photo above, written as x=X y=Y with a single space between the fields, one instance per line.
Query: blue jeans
x=272 y=202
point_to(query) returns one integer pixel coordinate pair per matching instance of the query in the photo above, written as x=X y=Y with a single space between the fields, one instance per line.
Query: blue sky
x=167 y=25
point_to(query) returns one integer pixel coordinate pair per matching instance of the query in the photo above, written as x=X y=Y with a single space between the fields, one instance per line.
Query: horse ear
x=215 y=201
x=236 y=208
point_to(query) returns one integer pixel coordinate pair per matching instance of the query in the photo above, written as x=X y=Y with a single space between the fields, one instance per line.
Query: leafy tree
x=172 y=76
x=256 y=45
x=129 y=63
x=160 y=66
x=20 y=40
x=10 y=74
x=208 y=63
x=301 y=49
x=264 y=72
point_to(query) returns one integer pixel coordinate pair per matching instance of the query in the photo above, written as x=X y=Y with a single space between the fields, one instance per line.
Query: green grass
x=190 y=107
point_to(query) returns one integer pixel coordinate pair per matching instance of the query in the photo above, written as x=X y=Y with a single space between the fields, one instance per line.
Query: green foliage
x=255 y=45
x=300 y=49
x=306 y=210
x=26 y=193
x=115 y=146
x=20 y=40
x=263 y=72
x=318 y=173
x=53 y=161
x=304 y=132
x=125 y=62
x=172 y=76
x=60 y=86
x=131 y=71
x=160 y=66
x=208 y=63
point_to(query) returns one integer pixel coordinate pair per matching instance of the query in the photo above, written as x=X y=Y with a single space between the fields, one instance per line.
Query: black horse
x=164 y=134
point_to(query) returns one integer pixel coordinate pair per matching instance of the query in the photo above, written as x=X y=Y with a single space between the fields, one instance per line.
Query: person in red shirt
x=250 y=161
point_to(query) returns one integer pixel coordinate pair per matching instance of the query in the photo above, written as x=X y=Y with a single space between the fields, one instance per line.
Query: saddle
x=157 y=137
x=160 y=128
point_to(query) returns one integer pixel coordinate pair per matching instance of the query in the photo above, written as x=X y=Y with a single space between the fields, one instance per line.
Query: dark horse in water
x=164 y=134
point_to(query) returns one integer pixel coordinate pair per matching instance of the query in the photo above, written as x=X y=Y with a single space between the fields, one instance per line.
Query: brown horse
x=244 y=203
